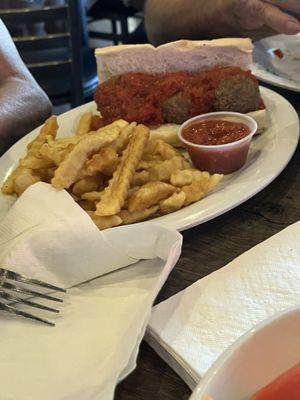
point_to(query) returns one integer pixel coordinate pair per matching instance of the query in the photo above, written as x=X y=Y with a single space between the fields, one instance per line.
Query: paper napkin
x=191 y=329
x=95 y=341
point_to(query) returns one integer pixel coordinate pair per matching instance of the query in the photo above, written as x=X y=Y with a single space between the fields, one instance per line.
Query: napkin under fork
x=97 y=335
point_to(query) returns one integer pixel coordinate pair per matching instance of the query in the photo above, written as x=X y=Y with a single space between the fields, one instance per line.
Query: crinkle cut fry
x=8 y=185
x=105 y=222
x=119 y=123
x=172 y=203
x=63 y=143
x=117 y=190
x=186 y=177
x=198 y=189
x=87 y=185
x=71 y=141
x=140 y=178
x=68 y=170
x=193 y=192
x=53 y=154
x=162 y=171
x=104 y=161
x=24 y=179
x=100 y=162
x=93 y=196
x=137 y=216
x=165 y=150
x=36 y=162
x=85 y=122
x=107 y=159
x=48 y=129
x=123 y=139
x=149 y=195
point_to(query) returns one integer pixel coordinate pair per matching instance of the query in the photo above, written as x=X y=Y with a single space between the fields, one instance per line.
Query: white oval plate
x=254 y=360
x=284 y=72
x=269 y=154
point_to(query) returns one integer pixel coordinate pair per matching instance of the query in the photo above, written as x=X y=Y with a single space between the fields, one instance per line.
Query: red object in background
x=278 y=53
x=285 y=387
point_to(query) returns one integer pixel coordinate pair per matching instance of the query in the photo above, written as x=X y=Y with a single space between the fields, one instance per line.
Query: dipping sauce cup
x=219 y=158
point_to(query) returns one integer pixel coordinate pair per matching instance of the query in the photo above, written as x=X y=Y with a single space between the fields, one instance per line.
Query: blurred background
x=57 y=38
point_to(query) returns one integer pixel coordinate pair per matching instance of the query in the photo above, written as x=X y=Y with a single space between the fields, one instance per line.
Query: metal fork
x=9 y=300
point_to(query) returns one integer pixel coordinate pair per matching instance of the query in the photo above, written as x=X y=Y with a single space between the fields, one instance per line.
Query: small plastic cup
x=223 y=158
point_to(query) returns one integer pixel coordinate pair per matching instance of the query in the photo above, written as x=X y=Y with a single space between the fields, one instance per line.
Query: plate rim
x=267 y=77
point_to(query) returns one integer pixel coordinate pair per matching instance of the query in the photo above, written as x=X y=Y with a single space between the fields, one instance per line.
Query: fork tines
x=8 y=301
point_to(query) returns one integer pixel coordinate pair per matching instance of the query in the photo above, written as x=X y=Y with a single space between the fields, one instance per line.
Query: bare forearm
x=23 y=107
x=186 y=19
x=206 y=19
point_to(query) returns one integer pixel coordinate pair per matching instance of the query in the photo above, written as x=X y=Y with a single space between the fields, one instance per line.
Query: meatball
x=237 y=93
x=176 y=109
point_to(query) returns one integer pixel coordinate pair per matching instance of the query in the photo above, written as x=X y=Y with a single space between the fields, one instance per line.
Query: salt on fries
x=117 y=174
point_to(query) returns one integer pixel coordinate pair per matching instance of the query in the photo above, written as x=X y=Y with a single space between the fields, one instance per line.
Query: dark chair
x=116 y=12
x=61 y=62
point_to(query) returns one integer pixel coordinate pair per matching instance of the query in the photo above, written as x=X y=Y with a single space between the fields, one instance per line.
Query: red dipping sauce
x=215 y=132
x=218 y=142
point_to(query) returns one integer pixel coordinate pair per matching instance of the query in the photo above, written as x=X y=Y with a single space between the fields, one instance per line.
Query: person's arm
x=23 y=104
x=169 y=20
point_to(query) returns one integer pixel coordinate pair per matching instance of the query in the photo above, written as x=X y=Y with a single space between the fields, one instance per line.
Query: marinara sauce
x=155 y=99
x=217 y=145
x=215 y=132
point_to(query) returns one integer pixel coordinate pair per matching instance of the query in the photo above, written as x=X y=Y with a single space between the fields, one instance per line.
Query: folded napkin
x=94 y=344
x=191 y=329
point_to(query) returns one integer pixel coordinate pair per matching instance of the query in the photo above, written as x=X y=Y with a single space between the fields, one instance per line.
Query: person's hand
x=169 y=20
x=265 y=15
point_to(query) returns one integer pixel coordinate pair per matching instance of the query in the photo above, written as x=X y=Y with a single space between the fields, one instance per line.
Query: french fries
x=23 y=176
x=149 y=195
x=140 y=178
x=84 y=125
x=92 y=196
x=162 y=171
x=68 y=170
x=165 y=150
x=23 y=179
x=172 y=203
x=88 y=184
x=185 y=177
x=116 y=192
x=199 y=188
x=117 y=174
x=106 y=222
x=137 y=216
x=105 y=161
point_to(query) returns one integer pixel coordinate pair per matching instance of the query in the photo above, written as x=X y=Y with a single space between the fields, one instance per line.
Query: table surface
x=208 y=247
